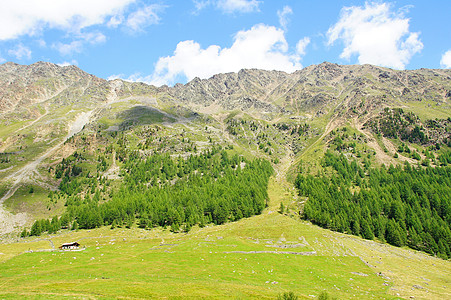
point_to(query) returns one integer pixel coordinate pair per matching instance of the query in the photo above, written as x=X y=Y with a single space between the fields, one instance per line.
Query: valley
x=258 y=257
x=135 y=174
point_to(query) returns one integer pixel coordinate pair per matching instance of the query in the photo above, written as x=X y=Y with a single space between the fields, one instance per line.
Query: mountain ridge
x=43 y=98
x=246 y=82
x=74 y=146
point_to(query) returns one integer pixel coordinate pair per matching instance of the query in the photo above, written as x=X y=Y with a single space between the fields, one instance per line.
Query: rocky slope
x=308 y=90
x=21 y=86
x=63 y=129
x=270 y=114
x=314 y=88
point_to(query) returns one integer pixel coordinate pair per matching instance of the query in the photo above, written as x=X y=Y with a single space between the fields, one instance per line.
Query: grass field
x=36 y=203
x=258 y=257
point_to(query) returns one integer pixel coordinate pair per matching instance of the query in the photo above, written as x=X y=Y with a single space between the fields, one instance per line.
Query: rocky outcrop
x=22 y=86
x=314 y=88
x=317 y=88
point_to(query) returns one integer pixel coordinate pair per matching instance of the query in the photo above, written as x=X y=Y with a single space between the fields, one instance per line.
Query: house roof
x=70 y=244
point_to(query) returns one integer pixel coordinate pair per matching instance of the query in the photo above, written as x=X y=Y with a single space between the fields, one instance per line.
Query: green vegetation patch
x=407 y=126
x=227 y=261
x=160 y=191
x=141 y=115
x=33 y=199
x=404 y=206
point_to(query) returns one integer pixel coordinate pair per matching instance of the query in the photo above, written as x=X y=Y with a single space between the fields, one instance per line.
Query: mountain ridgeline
x=312 y=89
x=367 y=147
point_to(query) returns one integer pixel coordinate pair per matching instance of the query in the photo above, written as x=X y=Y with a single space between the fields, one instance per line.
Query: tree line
x=402 y=205
x=211 y=187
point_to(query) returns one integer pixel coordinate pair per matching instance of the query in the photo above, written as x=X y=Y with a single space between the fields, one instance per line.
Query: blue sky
x=164 y=42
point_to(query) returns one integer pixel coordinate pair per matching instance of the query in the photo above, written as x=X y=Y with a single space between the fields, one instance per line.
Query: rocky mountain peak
x=25 y=85
x=312 y=90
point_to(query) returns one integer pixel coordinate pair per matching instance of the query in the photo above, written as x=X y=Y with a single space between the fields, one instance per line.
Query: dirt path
x=34 y=122
x=333 y=124
x=30 y=174
x=113 y=172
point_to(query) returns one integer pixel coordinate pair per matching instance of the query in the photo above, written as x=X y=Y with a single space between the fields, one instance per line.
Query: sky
x=165 y=42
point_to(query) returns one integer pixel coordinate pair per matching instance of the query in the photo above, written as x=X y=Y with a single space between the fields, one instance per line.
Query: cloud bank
x=445 y=62
x=376 y=34
x=76 y=21
x=31 y=17
x=262 y=47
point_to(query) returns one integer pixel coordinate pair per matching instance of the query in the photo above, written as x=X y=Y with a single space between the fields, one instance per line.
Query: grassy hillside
x=258 y=257
x=84 y=142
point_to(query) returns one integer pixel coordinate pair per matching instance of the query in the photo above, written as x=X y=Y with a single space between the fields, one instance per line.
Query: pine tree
x=392 y=234
x=367 y=233
x=36 y=229
x=355 y=227
x=24 y=233
x=414 y=238
x=74 y=225
x=281 y=208
x=442 y=250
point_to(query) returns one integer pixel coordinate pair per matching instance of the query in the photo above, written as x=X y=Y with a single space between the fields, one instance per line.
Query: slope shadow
x=142 y=115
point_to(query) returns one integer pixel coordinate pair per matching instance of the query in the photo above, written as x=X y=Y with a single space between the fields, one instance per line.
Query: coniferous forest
x=402 y=205
x=163 y=191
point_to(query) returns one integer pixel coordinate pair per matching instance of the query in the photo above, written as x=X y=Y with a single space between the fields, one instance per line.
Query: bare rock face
x=317 y=88
x=252 y=84
x=314 y=88
x=22 y=86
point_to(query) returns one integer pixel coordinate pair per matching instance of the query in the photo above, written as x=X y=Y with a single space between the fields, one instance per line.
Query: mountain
x=250 y=146
x=314 y=88
x=25 y=86
x=43 y=104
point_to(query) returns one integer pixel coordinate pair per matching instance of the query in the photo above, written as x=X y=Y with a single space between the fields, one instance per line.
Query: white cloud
x=143 y=17
x=20 y=52
x=241 y=6
x=228 y=6
x=68 y=63
x=115 y=21
x=284 y=16
x=93 y=37
x=263 y=47
x=76 y=46
x=376 y=34
x=74 y=18
x=301 y=45
x=445 y=62
x=68 y=49
x=201 y=4
x=136 y=77
x=30 y=17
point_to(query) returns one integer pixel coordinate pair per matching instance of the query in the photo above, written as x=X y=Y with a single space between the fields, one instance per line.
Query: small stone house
x=69 y=246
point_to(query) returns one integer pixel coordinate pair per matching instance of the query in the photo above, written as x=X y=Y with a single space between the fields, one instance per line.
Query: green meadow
x=259 y=257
